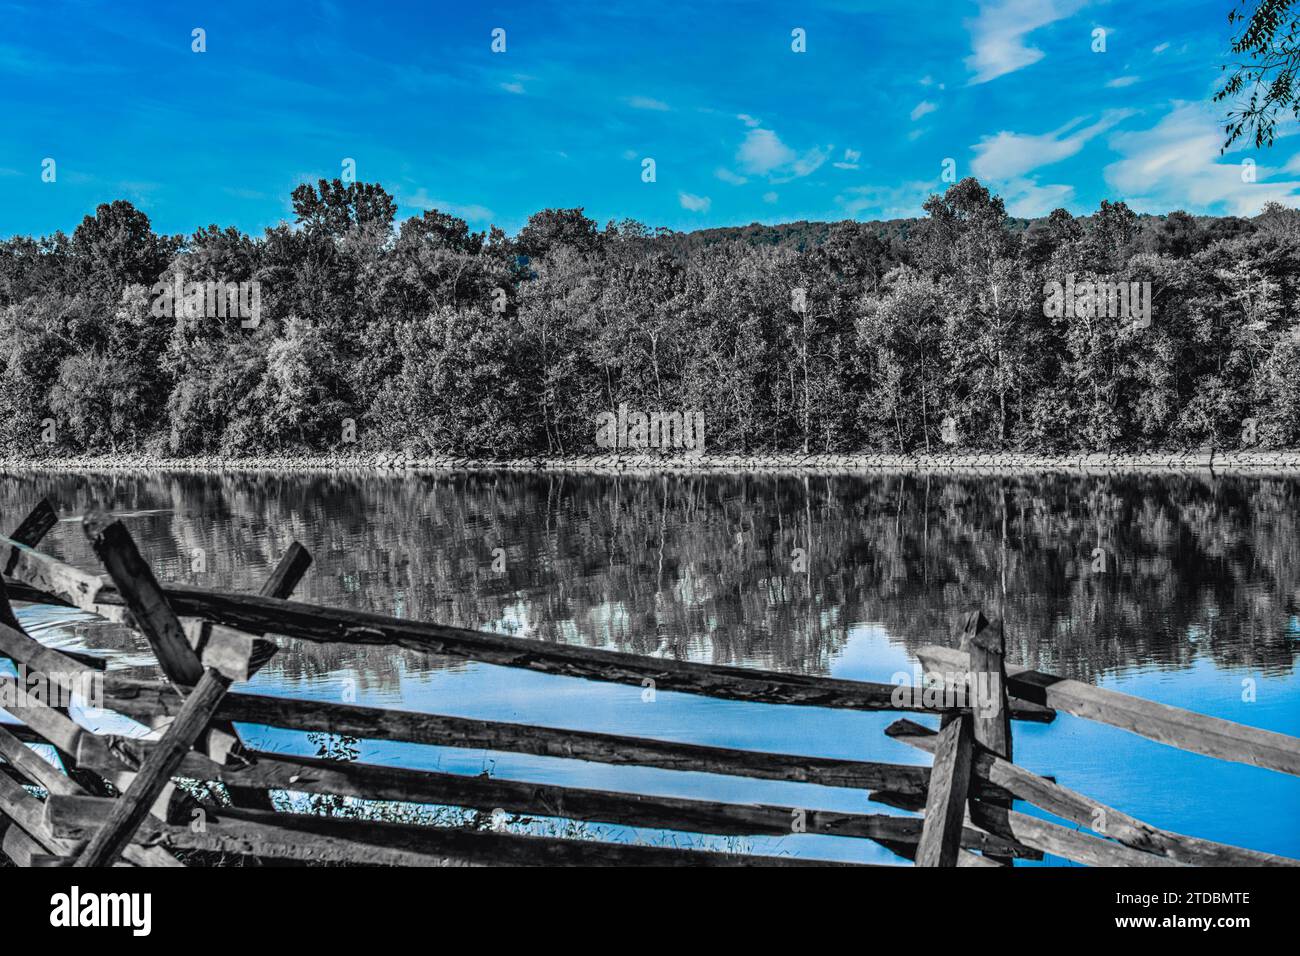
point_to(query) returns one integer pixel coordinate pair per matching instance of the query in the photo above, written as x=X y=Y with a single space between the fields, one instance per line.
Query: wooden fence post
x=992 y=724
x=293 y=564
x=143 y=596
x=945 y=805
x=985 y=644
x=7 y=616
x=35 y=526
x=156 y=772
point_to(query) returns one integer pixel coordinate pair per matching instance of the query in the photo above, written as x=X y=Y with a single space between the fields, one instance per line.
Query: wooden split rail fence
x=131 y=801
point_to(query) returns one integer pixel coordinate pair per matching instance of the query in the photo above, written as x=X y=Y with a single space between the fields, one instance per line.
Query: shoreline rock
x=1282 y=462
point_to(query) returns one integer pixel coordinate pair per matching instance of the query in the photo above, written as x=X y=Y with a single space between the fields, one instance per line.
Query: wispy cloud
x=420 y=199
x=806 y=164
x=886 y=202
x=762 y=153
x=850 y=160
x=694 y=203
x=513 y=87
x=999 y=34
x=1176 y=164
x=727 y=176
x=1007 y=155
x=1027 y=199
x=1122 y=81
x=921 y=108
x=646 y=103
x=240 y=192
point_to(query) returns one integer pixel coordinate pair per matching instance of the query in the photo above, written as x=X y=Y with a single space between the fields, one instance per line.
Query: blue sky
x=741 y=127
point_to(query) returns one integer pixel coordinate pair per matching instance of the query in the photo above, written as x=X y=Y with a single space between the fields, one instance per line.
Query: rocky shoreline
x=992 y=463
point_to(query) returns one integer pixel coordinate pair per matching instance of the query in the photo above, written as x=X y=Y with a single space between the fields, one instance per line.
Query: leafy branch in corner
x=1262 y=85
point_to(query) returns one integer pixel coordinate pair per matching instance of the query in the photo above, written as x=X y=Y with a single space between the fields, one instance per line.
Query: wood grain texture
x=316 y=838
x=293 y=564
x=258 y=614
x=155 y=774
x=1085 y=811
x=313 y=775
x=143 y=597
x=149 y=699
x=945 y=806
x=1174 y=726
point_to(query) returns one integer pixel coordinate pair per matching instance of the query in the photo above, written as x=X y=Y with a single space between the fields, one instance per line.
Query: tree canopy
x=910 y=335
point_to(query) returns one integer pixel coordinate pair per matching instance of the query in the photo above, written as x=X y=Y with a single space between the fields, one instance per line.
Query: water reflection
x=842 y=576
x=1094 y=576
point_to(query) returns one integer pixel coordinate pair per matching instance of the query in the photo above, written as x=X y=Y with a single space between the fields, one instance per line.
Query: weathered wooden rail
x=130 y=801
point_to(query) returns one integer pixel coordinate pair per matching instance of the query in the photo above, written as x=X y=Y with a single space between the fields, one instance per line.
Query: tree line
x=914 y=335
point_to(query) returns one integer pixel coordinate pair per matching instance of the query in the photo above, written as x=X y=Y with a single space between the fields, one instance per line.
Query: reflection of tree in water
x=706 y=568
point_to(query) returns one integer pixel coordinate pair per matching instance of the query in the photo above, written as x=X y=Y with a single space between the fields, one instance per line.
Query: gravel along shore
x=1282 y=462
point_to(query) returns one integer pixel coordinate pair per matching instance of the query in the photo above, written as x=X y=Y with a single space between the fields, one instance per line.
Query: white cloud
x=850 y=160
x=1176 y=165
x=1160 y=48
x=999 y=33
x=1122 y=81
x=809 y=162
x=770 y=197
x=727 y=176
x=694 y=203
x=1026 y=199
x=471 y=212
x=762 y=151
x=747 y=119
x=516 y=88
x=646 y=103
x=1008 y=155
x=763 y=154
x=921 y=108
x=887 y=202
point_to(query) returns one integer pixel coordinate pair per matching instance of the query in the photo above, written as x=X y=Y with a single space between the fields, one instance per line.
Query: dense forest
x=910 y=335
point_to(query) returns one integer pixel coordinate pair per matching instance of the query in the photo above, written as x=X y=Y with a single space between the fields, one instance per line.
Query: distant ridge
x=804 y=234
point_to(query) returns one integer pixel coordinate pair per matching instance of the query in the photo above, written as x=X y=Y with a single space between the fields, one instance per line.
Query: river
x=1181 y=589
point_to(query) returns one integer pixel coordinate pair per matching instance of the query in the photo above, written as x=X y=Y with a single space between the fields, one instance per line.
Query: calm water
x=1197 y=606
